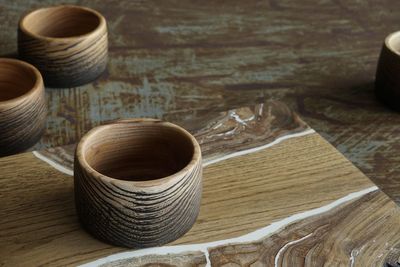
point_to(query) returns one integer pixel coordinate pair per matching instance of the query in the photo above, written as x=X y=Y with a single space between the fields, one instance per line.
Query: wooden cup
x=138 y=182
x=387 y=82
x=22 y=106
x=68 y=44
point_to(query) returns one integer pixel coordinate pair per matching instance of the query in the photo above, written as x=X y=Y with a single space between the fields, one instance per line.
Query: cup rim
x=23 y=28
x=196 y=156
x=387 y=42
x=38 y=85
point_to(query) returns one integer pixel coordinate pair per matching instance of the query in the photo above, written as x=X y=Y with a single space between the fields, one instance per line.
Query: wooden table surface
x=185 y=61
x=275 y=193
x=178 y=59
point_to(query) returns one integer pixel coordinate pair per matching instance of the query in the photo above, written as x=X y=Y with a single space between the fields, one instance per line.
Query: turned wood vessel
x=22 y=106
x=387 y=82
x=138 y=182
x=68 y=44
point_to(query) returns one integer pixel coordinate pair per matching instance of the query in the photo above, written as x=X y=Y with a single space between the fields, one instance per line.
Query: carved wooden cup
x=68 y=44
x=22 y=106
x=387 y=82
x=138 y=182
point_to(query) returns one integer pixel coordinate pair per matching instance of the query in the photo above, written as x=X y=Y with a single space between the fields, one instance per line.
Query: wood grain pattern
x=243 y=128
x=387 y=83
x=194 y=259
x=319 y=237
x=22 y=106
x=179 y=62
x=68 y=44
x=138 y=183
x=290 y=177
x=189 y=61
x=230 y=208
x=349 y=235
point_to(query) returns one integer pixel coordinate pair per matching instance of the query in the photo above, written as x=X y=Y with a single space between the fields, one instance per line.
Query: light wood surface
x=67 y=43
x=312 y=205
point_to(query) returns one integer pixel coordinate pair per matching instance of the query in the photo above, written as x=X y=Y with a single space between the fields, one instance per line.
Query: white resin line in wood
x=54 y=164
x=206 y=162
x=250 y=237
x=282 y=250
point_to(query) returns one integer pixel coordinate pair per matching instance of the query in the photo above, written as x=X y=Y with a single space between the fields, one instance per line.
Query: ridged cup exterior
x=22 y=120
x=387 y=81
x=137 y=214
x=66 y=62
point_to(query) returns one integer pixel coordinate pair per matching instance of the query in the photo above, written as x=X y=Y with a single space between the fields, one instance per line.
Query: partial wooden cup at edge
x=68 y=44
x=22 y=106
x=138 y=182
x=387 y=81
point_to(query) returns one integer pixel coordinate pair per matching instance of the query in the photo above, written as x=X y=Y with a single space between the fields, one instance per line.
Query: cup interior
x=138 y=151
x=61 y=21
x=394 y=42
x=16 y=79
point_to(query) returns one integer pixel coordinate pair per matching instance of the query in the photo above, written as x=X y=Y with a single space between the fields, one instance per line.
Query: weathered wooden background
x=183 y=60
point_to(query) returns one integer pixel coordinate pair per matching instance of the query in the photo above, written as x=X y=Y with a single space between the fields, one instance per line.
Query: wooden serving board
x=275 y=194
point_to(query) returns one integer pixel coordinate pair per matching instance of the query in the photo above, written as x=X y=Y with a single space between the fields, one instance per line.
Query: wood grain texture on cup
x=138 y=182
x=387 y=82
x=68 y=44
x=22 y=106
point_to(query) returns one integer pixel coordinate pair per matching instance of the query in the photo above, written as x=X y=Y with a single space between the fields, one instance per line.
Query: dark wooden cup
x=387 y=82
x=138 y=182
x=22 y=106
x=68 y=44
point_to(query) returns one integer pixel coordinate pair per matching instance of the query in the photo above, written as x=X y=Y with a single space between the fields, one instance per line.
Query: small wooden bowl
x=22 y=106
x=68 y=44
x=387 y=82
x=138 y=182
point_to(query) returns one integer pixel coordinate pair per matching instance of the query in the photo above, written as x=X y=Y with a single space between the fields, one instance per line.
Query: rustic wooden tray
x=275 y=194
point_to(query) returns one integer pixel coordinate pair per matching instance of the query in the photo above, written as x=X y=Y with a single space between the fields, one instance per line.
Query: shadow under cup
x=22 y=106
x=138 y=182
x=387 y=81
